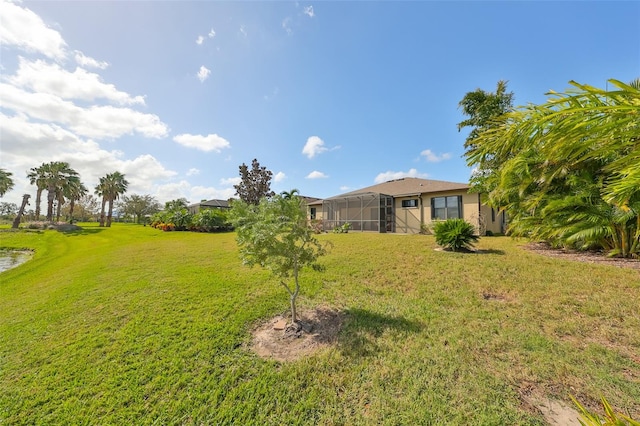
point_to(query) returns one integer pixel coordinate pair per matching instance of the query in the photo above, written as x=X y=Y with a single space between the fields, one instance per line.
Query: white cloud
x=344 y=188
x=211 y=142
x=42 y=77
x=86 y=61
x=309 y=11
x=286 y=25
x=193 y=194
x=24 y=29
x=27 y=144
x=193 y=172
x=387 y=176
x=314 y=146
x=200 y=40
x=316 y=175
x=96 y=121
x=243 y=31
x=203 y=73
x=279 y=177
x=212 y=33
x=432 y=157
x=230 y=181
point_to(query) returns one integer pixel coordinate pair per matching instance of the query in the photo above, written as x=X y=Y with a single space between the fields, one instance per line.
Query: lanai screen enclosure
x=367 y=211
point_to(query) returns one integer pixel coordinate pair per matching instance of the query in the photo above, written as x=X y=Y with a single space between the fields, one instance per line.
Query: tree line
x=63 y=185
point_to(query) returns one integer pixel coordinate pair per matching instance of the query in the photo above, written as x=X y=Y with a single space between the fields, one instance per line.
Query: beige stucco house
x=404 y=206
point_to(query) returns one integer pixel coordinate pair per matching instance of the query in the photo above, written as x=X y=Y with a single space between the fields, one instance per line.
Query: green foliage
x=342 y=229
x=6 y=182
x=485 y=110
x=611 y=418
x=60 y=180
x=255 y=184
x=275 y=235
x=139 y=206
x=110 y=187
x=211 y=220
x=455 y=234
x=568 y=170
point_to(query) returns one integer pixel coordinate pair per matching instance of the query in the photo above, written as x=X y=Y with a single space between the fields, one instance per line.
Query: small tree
x=254 y=184
x=274 y=234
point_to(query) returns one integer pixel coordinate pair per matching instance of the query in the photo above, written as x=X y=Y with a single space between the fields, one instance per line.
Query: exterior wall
x=470 y=205
x=408 y=219
x=496 y=221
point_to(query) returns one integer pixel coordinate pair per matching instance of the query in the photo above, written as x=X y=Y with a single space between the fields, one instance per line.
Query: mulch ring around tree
x=283 y=341
x=596 y=257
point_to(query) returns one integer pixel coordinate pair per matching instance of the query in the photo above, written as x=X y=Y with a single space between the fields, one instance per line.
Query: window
x=410 y=203
x=443 y=208
x=313 y=213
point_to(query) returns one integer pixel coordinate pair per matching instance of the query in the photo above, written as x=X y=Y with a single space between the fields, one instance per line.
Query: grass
x=131 y=325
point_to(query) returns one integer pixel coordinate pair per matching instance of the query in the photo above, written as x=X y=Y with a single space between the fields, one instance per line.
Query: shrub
x=455 y=234
x=342 y=229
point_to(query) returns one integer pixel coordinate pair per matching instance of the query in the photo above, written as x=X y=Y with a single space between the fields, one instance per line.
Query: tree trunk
x=16 y=221
x=71 y=206
x=38 y=199
x=294 y=295
x=110 y=213
x=104 y=201
x=51 y=196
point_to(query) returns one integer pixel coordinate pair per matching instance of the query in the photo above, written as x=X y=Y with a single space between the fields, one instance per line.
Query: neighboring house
x=404 y=206
x=211 y=204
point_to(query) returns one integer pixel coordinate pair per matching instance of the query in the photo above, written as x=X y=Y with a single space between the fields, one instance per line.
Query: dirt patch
x=283 y=341
x=555 y=412
x=583 y=256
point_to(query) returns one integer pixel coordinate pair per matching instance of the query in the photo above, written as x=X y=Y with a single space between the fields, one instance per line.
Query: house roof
x=212 y=203
x=408 y=186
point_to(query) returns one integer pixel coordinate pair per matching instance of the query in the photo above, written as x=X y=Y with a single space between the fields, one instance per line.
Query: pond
x=12 y=258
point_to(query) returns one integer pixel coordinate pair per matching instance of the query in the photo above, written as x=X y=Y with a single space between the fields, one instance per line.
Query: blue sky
x=329 y=96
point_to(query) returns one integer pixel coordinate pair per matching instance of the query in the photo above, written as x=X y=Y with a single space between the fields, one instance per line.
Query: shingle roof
x=212 y=203
x=409 y=186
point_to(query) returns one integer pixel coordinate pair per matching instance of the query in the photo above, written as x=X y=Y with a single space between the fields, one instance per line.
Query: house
x=211 y=204
x=404 y=206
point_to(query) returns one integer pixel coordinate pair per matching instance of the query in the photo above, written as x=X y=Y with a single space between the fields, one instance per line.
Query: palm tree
x=6 y=183
x=287 y=195
x=57 y=175
x=110 y=188
x=36 y=177
x=73 y=191
x=101 y=191
x=569 y=168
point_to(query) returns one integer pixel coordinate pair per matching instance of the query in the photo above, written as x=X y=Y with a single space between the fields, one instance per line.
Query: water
x=12 y=258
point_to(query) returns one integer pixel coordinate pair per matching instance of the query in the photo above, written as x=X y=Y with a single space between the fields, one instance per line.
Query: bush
x=455 y=234
x=342 y=229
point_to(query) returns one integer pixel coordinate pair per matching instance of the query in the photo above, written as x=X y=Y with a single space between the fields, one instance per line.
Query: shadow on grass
x=490 y=251
x=362 y=330
x=78 y=230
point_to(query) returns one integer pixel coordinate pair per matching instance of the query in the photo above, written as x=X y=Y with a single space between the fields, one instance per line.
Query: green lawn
x=131 y=325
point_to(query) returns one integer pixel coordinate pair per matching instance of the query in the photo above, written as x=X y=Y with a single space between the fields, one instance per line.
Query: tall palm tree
x=57 y=175
x=36 y=177
x=110 y=188
x=6 y=183
x=101 y=191
x=73 y=191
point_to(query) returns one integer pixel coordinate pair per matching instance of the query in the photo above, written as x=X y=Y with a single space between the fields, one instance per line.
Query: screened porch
x=367 y=211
